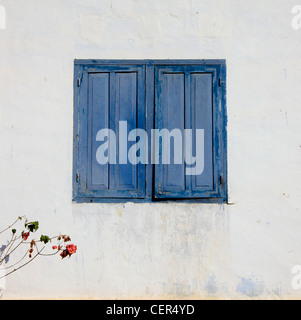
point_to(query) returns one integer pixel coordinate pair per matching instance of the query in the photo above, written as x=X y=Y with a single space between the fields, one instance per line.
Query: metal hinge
x=79 y=79
x=77 y=177
x=221 y=180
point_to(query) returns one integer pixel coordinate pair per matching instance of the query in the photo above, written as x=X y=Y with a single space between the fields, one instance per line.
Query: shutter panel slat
x=172 y=106
x=201 y=104
x=126 y=110
x=99 y=117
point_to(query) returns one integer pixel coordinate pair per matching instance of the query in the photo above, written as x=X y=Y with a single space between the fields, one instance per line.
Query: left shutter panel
x=112 y=94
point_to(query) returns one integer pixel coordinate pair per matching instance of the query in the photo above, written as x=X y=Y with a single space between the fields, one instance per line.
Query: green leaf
x=32 y=226
x=14 y=231
x=45 y=239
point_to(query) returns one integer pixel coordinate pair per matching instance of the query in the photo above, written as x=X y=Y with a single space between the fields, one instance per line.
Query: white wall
x=245 y=250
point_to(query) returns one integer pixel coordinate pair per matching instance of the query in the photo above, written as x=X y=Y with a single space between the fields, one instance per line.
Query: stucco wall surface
x=243 y=250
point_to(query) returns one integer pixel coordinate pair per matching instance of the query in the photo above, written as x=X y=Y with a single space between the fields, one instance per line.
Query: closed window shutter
x=188 y=97
x=113 y=95
x=123 y=105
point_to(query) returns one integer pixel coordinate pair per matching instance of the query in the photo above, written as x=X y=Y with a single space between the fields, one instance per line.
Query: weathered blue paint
x=150 y=62
x=107 y=95
x=188 y=97
x=105 y=104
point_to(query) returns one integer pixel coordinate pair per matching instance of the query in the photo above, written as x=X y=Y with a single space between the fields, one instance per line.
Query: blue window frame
x=189 y=95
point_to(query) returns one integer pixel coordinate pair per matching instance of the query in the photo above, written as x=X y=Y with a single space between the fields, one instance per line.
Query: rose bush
x=35 y=248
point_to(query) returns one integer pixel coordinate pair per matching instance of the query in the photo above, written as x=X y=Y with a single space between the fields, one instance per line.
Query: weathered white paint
x=246 y=250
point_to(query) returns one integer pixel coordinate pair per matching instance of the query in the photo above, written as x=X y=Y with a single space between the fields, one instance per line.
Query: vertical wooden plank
x=202 y=109
x=188 y=120
x=82 y=112
x=223 y=130
x=77 y=69
x=112 y=125
x=173 y=114
x=150 y=124
x=170 y=117
x=141 y=124
x=98 y=119
x=126 y=110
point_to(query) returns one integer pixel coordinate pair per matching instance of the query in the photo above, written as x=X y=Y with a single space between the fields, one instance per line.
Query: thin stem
x=23 y=265
x=8 y=247
x=37 y=241
x=17 y=262
x=8 y=253
x=10 y=225
x=49 y=254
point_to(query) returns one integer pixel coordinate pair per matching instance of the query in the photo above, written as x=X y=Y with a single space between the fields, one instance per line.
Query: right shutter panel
x=186 y=97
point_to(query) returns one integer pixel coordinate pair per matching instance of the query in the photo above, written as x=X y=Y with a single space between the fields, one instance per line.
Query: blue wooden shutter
x=108 y=95
x=189 y=97
x=150 y=94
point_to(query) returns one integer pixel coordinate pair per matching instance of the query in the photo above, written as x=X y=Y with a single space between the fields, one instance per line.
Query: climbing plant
x=20 y=236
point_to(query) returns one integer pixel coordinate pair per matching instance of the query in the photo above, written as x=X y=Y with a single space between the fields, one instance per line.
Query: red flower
x=69 y=251
x=54 y=247
x=25 y=235
x=71 y=248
